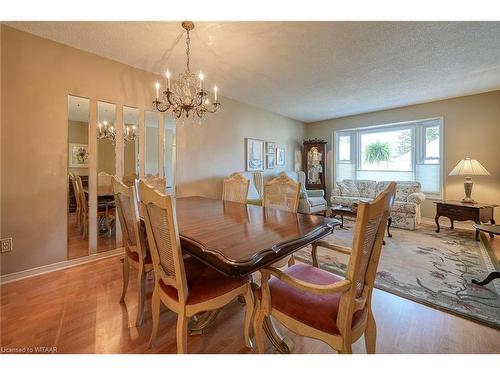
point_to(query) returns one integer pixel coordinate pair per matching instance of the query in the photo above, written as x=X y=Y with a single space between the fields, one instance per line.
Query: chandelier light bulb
x=201 y=76
x=167 y=74
x=215 y=93
x=157 y=89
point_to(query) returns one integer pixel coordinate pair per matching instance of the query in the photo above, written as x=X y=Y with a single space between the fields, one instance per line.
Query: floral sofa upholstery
x=405 y=211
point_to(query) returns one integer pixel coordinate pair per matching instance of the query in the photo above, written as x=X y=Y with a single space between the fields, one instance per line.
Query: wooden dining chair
x=137 y=252
x=235 y=188
x=159 y=183
x=182 y=283
x=103 y=210
x=76 y=194
x=83 y=207
x=315 y=303
x=283 y=193
x=129 y=179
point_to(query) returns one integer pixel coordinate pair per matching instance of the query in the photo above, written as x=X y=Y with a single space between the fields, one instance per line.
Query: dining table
x=238 y=239
x=105 y=197
x=104 y=193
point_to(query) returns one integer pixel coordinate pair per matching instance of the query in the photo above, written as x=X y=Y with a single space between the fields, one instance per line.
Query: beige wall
x=131 y=150
x=151 y=155
x=471 y=128
x=37 y=76
x=106 y=157
x=215 y=149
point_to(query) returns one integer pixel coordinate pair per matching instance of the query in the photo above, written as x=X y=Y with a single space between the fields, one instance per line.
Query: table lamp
x=469 y=167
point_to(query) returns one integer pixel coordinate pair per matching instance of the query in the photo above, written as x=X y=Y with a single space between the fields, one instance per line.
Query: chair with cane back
x=235 y=188
x=342 y=307
x=136 y=251
x=282 y=193
x=182 y=283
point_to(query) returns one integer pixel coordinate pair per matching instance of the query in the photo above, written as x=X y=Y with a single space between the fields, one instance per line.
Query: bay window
x=409 y=151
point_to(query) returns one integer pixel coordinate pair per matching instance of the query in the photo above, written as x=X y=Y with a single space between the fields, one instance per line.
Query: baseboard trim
x=16 y=276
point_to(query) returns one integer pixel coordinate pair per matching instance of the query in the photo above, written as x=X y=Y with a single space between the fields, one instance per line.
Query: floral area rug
x=435 y=269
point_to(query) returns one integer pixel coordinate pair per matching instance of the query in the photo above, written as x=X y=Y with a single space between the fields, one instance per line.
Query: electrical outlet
x=6 y=245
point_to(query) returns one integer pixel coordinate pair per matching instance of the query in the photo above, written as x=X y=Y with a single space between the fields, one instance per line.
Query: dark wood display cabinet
x=313 y=162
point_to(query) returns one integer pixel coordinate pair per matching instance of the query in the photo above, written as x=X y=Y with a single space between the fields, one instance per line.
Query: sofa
x=310 y=201
x=405 y=212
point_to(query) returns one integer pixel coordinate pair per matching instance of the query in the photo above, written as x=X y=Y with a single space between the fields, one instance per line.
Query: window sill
x=433 y=197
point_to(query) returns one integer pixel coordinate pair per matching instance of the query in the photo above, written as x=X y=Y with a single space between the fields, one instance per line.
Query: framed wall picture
x=78 y=155
x=270 y=155
x=255 y=154
x=280 y=156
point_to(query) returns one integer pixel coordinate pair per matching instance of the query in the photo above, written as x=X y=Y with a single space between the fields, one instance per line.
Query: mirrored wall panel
x=106 y=169
x=131 y=145
x=152 y=155
x=169 y=147
x=78 y=176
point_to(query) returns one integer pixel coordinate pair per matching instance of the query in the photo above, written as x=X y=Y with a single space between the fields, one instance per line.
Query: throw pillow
x=348 y=188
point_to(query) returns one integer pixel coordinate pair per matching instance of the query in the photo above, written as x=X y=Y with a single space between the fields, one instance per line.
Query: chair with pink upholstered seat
x=315 y=303
x=182 y=283
x=136 y=250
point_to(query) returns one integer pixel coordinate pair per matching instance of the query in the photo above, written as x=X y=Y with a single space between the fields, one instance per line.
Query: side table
x=459 y=211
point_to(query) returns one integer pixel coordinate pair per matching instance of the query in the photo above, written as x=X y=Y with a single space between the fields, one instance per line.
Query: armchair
x=310 y=201
x=342 y=307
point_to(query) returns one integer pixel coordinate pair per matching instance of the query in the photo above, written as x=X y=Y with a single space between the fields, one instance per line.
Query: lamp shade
x=469 y=167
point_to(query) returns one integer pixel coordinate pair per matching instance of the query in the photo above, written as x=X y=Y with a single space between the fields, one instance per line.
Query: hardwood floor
x=77 y=310
x=79 y=247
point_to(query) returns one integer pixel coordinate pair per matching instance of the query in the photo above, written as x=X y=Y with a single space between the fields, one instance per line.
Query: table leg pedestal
x=282 y=343
x=200 y=323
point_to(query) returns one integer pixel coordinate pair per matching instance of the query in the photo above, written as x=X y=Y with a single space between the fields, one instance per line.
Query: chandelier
x=106 y=130
x=186 y=95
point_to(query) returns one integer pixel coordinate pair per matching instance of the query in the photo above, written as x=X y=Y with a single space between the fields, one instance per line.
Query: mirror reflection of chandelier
x=186 y=95
x=107 y=130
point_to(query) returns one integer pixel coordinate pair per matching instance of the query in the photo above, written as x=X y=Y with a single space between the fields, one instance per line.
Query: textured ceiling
x=308 y=71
